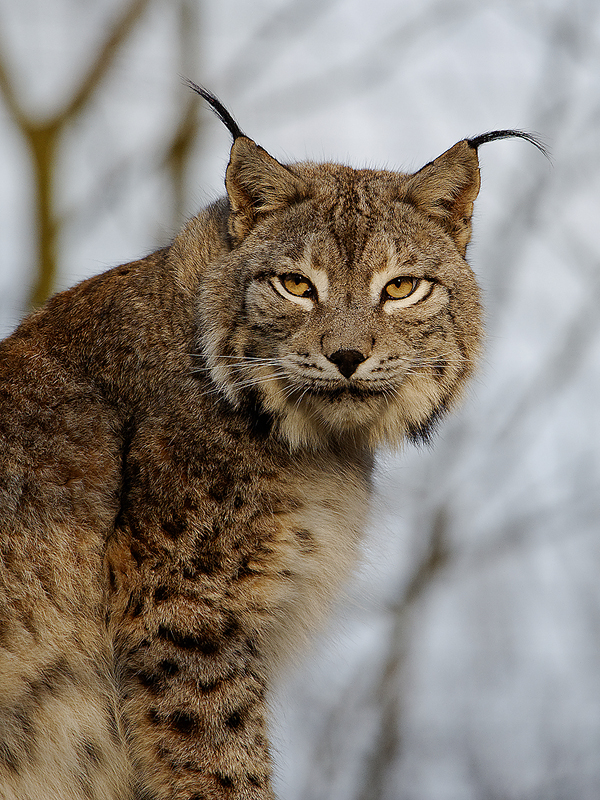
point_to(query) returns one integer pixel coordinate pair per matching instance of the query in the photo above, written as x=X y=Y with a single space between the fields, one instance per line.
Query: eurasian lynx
x=185 y=454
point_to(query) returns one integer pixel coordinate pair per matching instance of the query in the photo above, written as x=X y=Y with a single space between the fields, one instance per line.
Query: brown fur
x=185 y=467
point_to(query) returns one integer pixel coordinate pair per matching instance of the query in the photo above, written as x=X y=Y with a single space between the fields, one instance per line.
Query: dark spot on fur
x=251 y=645
x=224 y=780
x=91 y=752
x=261 y=742
x=18 y=738
x=208 y=553
x=9 y=758
x=112 y=579
x=183 y=721
x=190 y=504
x=162 y=593
x=191 y=766
x=134 y=605
x=306 y=541
x=232 y=628
x=28 y=621
x=235 y=720
x=169 y=668
x=207 y=644
x=439 y=369
x=47 y=579
x=88 y=758
x=4 y=631
x=261 y=421
x=189 y=574
x=208 y=686
x=163 y=752
x=237 y=500
x=136 y=554
x=207 y=561
x=223 y=482
x=154 y=716
x=423 y=433
x=174 y=527
x=152 y=681
x=51 y=680
x=245 y=570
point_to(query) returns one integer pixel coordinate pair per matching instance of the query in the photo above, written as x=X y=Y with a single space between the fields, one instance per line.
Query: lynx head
x=344 y=305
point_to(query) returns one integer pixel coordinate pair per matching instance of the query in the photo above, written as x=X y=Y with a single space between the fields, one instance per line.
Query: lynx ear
x=446 y=188
x=256 y=184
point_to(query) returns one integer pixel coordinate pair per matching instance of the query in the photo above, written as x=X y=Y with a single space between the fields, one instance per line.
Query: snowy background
x=464 y=663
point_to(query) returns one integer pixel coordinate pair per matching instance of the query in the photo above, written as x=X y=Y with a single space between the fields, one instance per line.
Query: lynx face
x=348 y=307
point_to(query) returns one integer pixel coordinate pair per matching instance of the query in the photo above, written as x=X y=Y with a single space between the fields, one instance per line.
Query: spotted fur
x=185 y=459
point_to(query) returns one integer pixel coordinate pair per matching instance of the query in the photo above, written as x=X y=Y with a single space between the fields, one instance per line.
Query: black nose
x=347 y=361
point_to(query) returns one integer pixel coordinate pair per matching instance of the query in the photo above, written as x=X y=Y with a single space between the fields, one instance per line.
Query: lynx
x=186 y=445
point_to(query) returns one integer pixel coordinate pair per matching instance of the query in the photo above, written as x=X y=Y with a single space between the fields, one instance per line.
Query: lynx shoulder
x=186 y=445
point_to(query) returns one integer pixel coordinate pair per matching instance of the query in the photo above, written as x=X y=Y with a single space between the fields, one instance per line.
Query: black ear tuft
x=491 y=136
x=219 y=109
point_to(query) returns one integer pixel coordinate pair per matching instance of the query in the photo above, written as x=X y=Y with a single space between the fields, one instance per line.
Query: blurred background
x=464 y=661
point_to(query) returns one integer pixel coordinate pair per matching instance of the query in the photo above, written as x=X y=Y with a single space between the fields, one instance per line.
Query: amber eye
x=297 y=285
x=400 y=288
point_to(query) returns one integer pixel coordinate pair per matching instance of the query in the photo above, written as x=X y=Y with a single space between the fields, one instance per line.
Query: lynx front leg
x=194 y=705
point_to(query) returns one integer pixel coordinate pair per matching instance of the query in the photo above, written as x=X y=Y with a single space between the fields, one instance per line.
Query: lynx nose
x=347 y=361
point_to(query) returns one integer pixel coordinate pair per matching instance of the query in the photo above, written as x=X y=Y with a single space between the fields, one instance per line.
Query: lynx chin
x=186 y=445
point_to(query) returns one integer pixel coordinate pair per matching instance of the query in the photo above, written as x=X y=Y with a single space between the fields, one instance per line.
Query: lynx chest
x=237 y=531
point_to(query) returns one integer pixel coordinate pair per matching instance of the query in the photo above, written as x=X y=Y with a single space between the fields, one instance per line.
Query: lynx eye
x=400 y=288
x=297 y=284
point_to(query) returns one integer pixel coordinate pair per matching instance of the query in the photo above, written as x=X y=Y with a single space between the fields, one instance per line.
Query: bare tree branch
x=386 y=745
x=10 y=97
x=104 y=58
x=43 y=139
